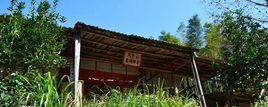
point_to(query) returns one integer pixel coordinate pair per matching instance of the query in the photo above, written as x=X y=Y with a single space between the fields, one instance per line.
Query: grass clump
x=33 y=89
x=262 y=103
x=135 y=98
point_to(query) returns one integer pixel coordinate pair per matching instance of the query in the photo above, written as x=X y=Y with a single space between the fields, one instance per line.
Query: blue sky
x=141 y=17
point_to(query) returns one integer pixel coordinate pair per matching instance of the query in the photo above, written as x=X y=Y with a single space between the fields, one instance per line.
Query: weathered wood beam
x=139 y=51
x=179 y=67
x=198 y=82
x=178 y=52
x=119 y=55
x=146 y=48
x=108 y=37
x=170 y=63
x=111 y=58
x=161 y=50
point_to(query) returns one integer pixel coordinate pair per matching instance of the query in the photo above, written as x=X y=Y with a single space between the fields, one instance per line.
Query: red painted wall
x=101 y=78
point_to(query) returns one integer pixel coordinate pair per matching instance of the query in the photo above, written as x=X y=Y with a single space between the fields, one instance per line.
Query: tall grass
x=135 y=98
x=34 y=89
x=37 y=89
x=262 y=103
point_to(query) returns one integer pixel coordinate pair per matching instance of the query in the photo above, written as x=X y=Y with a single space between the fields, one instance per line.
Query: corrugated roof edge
x=134 y=38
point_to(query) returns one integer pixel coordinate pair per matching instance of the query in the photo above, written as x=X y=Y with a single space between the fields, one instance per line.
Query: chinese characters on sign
x=133 y=59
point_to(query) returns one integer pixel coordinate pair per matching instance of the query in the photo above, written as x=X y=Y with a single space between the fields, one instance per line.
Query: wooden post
x=198 y=82
x=261 y=93
x=77 y=96
x=174 y=80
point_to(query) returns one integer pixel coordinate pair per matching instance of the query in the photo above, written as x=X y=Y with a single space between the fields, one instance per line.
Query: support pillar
x=174 y=80
x=198 y=82
x=77 y=85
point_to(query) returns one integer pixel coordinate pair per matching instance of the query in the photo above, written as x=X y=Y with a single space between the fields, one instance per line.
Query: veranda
x=106 y=58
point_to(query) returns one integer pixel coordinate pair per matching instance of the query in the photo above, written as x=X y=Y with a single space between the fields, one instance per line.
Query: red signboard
x=133 y=59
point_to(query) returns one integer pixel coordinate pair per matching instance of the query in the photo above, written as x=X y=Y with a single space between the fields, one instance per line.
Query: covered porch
x=107 y=58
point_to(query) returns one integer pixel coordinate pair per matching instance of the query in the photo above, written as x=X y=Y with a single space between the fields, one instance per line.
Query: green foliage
x=254 y=9
x=11 y=89
x=32 y=41
x=214 y=42
x=245 y=53
x=194 y=33
x=166 y=36
x=34 y=89
x=262 y=103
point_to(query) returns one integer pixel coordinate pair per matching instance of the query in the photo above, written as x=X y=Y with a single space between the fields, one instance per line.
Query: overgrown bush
x=31 y=40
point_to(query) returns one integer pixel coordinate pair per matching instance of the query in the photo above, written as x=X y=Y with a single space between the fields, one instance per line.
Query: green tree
x=194 y=33
x=32 y=41
x=214 y=42
x=168 y=37
x=253 y=9
x=245 y=54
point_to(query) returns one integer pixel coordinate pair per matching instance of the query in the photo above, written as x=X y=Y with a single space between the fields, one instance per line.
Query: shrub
x=33 y=41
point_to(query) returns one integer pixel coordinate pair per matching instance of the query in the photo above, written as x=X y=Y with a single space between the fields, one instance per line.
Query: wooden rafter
x=179 y=67
x=140 y=51
x=117 y=55
x=179 y=53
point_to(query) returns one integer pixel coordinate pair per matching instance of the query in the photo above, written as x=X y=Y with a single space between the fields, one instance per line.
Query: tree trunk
x=230 y=100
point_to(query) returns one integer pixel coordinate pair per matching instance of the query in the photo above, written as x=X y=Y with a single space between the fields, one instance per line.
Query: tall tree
x=168 y=37
x=214 y=42
x=194 y=33
x=33 y=41
x=245 y=54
